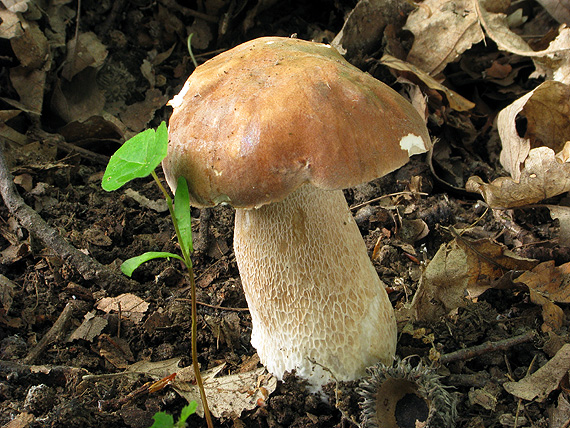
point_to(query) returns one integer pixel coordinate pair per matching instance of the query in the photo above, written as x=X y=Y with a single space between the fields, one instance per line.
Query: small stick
x=223 y=308
x=501 y=345
x=51 y=336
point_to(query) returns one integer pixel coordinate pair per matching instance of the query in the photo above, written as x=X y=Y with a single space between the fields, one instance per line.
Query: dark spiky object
x=405 y=396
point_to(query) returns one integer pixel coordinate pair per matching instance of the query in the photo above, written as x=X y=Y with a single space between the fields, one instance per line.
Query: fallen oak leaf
x=548 y=284
x=542 y=177
x=549 y=280
x=546 y=379
x=461 y=269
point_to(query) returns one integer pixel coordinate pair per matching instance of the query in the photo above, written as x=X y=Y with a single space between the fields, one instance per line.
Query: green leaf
x=182 y=215
x=129 y=266
x=162 y=420
x=187 y=410
x=136 y=158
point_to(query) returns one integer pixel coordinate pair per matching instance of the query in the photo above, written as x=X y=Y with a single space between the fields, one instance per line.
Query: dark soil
x=111 y=227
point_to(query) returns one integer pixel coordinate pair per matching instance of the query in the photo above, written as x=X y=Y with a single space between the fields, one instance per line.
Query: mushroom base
x=316 y=302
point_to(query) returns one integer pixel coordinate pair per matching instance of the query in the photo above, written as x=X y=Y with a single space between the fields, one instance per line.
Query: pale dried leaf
x=555 y=66
x=155 y=369
x=16 y=5
x=541 y=383
x=229 y=396
x=456 y=101
x=546 y=110
x=558 y=9
x=542 y=177
x=443 y=30
x=91 y=327
x=559 y=413
x=128 y=304
x=159 y=205
x=497 y=28
x=10 y=25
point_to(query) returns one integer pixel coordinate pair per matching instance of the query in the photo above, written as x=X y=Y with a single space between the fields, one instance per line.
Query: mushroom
x=277 y=127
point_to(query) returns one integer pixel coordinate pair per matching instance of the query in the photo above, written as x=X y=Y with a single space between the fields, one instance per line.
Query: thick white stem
x=313 y=293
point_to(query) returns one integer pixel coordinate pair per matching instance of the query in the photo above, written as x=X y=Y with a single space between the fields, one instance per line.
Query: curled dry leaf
x=556 y=66
x=496 y=26
x=546 y=110
x=546 y=379
x=456 y=101
x=538 y=162
x=542 y=177
x=548 y=284
x=462 y=268
x=443 y=30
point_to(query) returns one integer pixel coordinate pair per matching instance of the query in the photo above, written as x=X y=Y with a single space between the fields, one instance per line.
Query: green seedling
x=138 y=158
x=164 y=420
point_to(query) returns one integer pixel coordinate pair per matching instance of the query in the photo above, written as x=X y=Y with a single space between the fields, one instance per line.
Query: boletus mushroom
x=277 y=127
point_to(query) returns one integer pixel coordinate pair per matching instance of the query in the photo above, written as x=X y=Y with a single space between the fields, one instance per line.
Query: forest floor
x=464 y=273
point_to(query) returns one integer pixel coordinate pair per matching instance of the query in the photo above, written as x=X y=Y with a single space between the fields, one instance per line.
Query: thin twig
x=51 y=336
x=223 y=308
x=371 y=201
x=484 y=348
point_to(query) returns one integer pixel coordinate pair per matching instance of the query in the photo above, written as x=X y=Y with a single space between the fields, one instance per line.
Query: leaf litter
x=473 y=272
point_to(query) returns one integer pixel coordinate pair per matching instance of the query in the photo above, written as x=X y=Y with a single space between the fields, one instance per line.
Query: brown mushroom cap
x=256 y=122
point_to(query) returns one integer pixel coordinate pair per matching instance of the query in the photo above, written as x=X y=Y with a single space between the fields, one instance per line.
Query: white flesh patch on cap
x=177 y=100
x=413 y=144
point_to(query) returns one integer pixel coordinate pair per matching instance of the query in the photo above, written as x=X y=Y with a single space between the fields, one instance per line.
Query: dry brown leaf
x=91 y=327
x=558 y=9
x=363 y=27
x=462 y=268
x=546 y=379
x=138 y=115
x=456 y=101
x=542 y=177
x=443 y=30
x=548 y=284
x=549 y=281
x=128 y=304
x=116 y=350
x=31 y=48
x=30 y=85
x=88 y=51
x=79 y=99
